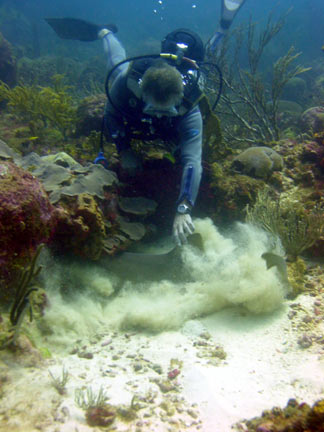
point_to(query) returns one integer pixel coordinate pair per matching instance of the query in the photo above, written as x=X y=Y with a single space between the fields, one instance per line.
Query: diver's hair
x=162 y=84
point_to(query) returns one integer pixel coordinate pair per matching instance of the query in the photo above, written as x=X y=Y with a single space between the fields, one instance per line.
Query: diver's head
x=162 y=90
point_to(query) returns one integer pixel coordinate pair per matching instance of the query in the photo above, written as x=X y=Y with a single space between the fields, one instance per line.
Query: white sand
x=264 y=367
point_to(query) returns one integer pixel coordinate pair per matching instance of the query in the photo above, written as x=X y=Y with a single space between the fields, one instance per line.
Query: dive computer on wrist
x=183 y=209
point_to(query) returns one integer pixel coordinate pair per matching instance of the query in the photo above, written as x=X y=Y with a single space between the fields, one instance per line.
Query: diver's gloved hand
x=130 y=162
x=182 y=227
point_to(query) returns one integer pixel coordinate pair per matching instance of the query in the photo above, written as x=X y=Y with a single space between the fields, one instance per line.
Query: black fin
x=77 y=29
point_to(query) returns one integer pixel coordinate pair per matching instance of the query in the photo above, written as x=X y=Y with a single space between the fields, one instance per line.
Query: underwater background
x=208 y=336
x=141 y=20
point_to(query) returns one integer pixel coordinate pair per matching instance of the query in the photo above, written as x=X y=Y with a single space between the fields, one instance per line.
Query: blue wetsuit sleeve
x=190 y=134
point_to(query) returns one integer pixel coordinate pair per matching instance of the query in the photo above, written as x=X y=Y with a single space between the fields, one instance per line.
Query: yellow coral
x=92 y=221
x=47 y=106
x=315 y=418
x=296 y=275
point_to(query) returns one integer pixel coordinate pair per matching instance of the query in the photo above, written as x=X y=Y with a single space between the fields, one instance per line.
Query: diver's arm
x=190 y=132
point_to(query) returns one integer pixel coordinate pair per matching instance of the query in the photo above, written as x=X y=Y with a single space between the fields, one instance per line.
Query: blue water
x=141 y=20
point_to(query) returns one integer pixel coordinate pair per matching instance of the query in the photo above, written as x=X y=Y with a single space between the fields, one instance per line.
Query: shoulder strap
x=135 y=72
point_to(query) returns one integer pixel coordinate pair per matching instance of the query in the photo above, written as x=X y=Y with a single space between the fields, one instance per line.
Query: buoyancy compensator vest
x=182 y=49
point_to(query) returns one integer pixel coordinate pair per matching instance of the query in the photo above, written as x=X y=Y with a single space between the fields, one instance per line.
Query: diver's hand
x=182 y=227
x=130 y=162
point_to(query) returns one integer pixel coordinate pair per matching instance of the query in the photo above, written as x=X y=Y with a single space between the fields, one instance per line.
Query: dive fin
x=139 y=267
x=77 y=29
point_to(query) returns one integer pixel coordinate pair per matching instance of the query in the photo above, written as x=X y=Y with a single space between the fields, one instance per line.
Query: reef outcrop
x=258 y=162
x=89 y=114
x=313 y=119
x=81 y=227
x=27 y=219
x=294 y=417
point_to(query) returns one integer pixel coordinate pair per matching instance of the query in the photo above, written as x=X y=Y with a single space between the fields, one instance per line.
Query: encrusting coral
x=27 y=219
x=295 y=417
x=258 y=162
x=81 y=227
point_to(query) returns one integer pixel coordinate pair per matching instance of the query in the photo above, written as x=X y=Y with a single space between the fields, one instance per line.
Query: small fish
x=274 y=260
x=322 y=48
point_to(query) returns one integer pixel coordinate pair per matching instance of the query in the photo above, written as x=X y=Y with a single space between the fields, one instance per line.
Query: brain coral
x=258 y=162
x=26 y=219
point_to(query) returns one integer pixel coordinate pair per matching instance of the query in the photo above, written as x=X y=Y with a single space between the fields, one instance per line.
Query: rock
x=6 y=152
x=90 y=114
x=313 y=152
x=27 y=219
x=134 y=230
x=295 y=89
x=313 y=119
x=305 y=341
x=258 y=162
x=53 y=177
x=93 y=181
x=101 y=416
x=62 y=159
x=62 y=176
x=137 y=206
x=80 y=227
x=86 y=355
x=289 y=106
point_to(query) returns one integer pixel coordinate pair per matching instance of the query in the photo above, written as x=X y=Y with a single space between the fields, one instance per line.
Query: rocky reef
x=27 y=219
x=295 y=417
x=258 y=161
x=73 y=208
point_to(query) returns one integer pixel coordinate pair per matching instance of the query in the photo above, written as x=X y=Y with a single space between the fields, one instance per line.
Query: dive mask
x=159 y=112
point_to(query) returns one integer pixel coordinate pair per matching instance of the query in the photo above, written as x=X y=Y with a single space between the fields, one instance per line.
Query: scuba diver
x=158 y=96
x=155 y=96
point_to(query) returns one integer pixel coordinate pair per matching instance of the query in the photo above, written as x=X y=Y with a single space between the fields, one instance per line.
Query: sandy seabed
x=240 y=347
x=268 y=361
